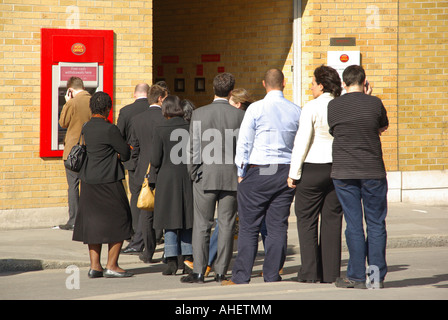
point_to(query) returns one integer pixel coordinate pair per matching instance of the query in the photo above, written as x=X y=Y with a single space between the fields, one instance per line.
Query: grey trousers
x=205 y=203
x=73 y=195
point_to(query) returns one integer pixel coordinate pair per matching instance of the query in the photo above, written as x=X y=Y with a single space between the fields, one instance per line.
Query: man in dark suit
x=141 y=140
x=213 y=133
x=124 y=124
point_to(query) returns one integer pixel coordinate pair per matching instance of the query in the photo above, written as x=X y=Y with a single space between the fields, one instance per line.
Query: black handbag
x=77 y=156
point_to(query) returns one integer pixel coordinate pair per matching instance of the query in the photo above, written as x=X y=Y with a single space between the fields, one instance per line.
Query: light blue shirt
x=267 y=132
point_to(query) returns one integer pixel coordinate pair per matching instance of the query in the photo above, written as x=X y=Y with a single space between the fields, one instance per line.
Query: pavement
x=409 y=225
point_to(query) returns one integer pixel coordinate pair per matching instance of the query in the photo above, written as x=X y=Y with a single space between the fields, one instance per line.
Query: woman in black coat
x=104 y=215
x=173 y=203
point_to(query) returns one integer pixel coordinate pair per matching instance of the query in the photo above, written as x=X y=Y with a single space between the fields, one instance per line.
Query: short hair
x=171 y=107
x=100 y=103
x=75 y=83
x=274 y=78
x=155 y=92
x=223 y=84
x=188 y=108
x=242 y=96
x=354 y=75
x=329 y=79
x=142 y=88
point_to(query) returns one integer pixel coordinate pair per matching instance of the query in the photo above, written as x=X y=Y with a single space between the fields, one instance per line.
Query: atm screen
x=92 y=76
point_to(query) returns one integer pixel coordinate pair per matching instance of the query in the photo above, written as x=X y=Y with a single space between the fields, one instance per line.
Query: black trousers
x=137 y=241
x=316 y=200
x=134 y=188
x=146 y=221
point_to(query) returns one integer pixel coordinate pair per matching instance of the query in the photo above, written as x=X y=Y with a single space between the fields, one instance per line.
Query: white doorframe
x=297 y=52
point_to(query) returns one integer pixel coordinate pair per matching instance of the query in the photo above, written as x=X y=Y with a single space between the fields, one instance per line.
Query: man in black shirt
x=356 y=121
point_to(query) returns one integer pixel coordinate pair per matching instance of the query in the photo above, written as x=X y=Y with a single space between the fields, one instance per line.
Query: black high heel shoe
x=171 y=266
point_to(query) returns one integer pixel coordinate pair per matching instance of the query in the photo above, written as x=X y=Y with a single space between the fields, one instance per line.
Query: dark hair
x=223 y=84
x=188 y=108
x=274 y=78
x=171 y=107
x=329 y=79
x=100 y=103
x=75 y=83
x=354 y=75
x=163 y=85
x=155 y=92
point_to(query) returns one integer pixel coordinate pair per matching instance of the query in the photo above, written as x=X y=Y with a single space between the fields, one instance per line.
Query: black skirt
x=104 y=215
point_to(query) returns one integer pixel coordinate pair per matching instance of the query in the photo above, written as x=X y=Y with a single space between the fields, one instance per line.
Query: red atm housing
x=87 y=54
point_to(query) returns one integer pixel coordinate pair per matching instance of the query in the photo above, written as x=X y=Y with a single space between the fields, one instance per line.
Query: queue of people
x=237 y=156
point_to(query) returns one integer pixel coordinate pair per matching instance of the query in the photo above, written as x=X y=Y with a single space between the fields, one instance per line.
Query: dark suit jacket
x=103 y=142
x=212 y=155
x=141 y=139
x=124 y=123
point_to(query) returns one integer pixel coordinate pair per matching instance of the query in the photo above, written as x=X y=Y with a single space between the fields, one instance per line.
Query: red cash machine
x=87 y=54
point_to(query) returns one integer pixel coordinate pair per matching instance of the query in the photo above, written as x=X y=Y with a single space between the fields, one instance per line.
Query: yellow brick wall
x=28 y=181
x=250 y=37
x=374 y=25
x=423 y=85
x=405 y=54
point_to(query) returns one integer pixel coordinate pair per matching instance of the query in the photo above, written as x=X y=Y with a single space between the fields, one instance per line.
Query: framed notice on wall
x=339 y=60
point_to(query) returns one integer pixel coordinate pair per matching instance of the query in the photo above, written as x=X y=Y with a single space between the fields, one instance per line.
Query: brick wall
x=405 y=53
x=27 y=180
x=374 y=25
x=423 y=85
x=250 y=37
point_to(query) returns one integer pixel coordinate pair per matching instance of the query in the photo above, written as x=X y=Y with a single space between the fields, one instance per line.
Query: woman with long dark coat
x=104 y=215
x=173 y=204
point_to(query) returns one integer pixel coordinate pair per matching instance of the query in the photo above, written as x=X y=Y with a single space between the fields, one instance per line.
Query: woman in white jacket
x=315 y=194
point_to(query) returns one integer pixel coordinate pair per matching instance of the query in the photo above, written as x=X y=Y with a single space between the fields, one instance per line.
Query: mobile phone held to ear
x=68 y=95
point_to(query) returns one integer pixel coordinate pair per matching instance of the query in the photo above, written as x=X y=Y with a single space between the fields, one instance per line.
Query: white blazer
x=313 y=142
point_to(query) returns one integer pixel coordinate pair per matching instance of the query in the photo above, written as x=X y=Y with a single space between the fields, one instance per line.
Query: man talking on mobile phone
x=74 y=114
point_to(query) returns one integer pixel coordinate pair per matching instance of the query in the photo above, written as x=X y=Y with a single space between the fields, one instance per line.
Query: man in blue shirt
x=263 y=156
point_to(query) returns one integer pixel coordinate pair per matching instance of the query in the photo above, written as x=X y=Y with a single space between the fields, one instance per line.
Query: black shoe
x=220 y=278
x=130 y=250
x=114 y=274
x=145 y=259
x=95 y=274
x=193 y=278
x=66 y=226
x=171 y=267
x=347 y=283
